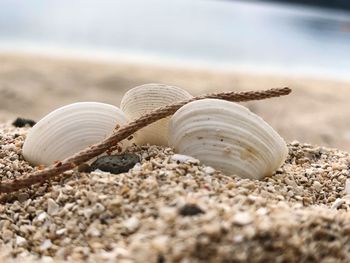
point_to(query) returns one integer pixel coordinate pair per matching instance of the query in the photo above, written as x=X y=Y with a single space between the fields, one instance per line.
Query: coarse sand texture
x=169 y=209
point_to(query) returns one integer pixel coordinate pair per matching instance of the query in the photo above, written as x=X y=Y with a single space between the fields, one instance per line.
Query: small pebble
x=52 y=207
x=42 y=216
x=317 y=186
x=132 y=224
x=46 y=245
x=190 y=210
x=183 y=158
x=209 y=170
x=20 y=241
x=22 y=122
x=242 y=218
x=22 y=197
x=115 y=164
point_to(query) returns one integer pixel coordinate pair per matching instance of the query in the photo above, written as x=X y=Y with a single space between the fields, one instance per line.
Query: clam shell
x=70 y=129
x=145 y=98
x=228 y=137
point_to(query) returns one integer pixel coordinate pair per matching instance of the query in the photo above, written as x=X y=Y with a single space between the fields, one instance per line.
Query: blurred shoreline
x=32 y=85
x=112 y=57
x=257 y=37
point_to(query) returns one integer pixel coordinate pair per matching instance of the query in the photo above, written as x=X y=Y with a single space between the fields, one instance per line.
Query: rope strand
x=27 y=180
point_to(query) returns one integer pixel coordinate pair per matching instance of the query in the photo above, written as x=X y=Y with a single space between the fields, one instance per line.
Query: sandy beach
x=170 y=210
x=316 y=112
x=166 y=210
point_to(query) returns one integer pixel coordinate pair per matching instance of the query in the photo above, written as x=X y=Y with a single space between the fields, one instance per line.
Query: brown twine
x=27 y=180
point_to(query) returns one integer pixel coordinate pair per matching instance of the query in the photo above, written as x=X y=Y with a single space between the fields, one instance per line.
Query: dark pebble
x=161 y=259
x=21 y=122
x=190 y=210
x=115 y=164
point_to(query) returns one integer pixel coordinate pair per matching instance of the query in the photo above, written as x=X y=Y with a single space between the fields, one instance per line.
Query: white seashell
x=228 y=137
x=70 y=129
x=145 y=98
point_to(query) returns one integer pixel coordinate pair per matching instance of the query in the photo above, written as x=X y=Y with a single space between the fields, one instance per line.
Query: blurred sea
x=222 y=34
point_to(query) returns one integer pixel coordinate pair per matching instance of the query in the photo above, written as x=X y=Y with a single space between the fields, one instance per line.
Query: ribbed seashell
x=70 y=129
x=228 y=137
x=145 y=98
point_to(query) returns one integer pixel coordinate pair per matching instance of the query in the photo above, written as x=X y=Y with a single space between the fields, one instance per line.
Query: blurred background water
x=225 y=34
